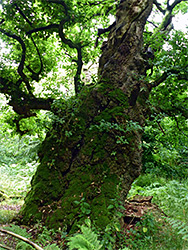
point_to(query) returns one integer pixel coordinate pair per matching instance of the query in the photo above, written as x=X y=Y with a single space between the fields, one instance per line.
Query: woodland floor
x=135 y=209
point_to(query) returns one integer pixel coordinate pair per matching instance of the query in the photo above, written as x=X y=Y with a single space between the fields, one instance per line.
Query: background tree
x=93 y=151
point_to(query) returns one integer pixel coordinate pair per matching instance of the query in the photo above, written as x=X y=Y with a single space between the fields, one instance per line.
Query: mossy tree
x=93 y=152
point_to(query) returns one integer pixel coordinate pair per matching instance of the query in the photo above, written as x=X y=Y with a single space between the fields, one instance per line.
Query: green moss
x=102 y=221
x=118 y=95
x=100 y=213
x=55 y=221
x=31 y=213
x=76 y=161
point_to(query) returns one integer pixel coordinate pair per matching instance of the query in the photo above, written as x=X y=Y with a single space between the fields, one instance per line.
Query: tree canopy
x=49 y=45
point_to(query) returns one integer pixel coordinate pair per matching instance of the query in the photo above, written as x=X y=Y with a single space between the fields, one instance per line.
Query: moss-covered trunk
x=92 y=154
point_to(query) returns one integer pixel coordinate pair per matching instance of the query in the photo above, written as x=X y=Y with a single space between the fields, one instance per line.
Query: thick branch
x=62 y=36
x=21 y=102
x=77 y=81
x=48 y=27
x=72 y=45
x=168 y=4
x=163 y=77
x=24 y=106
x=176 y=2
x=102 y=31
x=158 y=5
x=166 y=24
x=22 y=61
x=35 y=75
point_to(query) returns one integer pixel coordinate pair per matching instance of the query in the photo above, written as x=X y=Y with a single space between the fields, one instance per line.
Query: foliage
x=153 y=233
x=181 y=227
x=170 y=195
x=22 y=232
x=43 y=239
x=86 y=240
x=32 y=27
x=91 y=238
x=18 y=163
x=6 y=216
x=165 y=148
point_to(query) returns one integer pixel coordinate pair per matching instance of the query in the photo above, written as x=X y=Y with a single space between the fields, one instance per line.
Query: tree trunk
x=92 y=154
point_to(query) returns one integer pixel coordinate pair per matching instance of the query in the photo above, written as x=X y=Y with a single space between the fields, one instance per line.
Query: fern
x=18 y=230
x=52 y=247
x=23 y=246
x=181 y=227
x=22 y=232
x=86 y=240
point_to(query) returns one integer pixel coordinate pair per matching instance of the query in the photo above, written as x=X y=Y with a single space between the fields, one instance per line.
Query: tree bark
x=93 y=153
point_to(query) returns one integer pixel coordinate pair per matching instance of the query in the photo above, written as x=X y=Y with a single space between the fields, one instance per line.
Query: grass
x=15 y=181
x=170 y=195
x=14 y=184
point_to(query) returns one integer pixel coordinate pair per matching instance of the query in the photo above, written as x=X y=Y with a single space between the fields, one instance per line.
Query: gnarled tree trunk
x=92 y=154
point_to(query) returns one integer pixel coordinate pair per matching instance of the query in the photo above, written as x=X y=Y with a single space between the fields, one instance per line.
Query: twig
x=177 y=123
x=23 y=15
x=161 y=128
x=21 y=238
x=152 y=24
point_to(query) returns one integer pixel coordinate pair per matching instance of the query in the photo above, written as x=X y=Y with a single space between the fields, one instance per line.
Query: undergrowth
x=170 y=195
x=18 y=164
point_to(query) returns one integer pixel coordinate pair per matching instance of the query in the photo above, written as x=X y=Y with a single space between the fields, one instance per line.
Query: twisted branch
x=21 y=102
x=35 y=75
x=158 y=5
x=22 y=61
x=77 y=81
x=163 y=77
